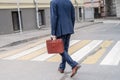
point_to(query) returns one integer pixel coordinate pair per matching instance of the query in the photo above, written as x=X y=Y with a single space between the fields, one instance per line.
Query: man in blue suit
x=62 y=26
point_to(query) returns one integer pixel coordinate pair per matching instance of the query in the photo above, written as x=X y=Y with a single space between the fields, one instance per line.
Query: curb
x=37 y=37
x=89 y=25
x=23 y=41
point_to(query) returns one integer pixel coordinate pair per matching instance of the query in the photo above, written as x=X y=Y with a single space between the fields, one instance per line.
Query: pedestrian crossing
x=45 y=56
x=113 y=57
x=85 y=51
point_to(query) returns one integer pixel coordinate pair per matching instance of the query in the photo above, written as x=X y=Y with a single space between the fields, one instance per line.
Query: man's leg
x=63 y=61
x=69 y=60
x=65 y=55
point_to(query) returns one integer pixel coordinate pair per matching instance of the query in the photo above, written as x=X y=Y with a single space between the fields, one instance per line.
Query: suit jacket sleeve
x=73 y=15
x=53 y=14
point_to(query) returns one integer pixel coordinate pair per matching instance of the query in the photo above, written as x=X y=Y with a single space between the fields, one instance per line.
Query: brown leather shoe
x=60 y=70
x=74 y=70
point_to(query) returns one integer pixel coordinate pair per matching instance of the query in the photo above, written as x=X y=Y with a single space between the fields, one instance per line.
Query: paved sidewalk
x=107 y=20
x=16 y=38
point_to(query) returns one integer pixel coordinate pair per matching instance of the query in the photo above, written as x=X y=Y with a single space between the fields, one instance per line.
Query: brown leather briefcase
x=55 y=46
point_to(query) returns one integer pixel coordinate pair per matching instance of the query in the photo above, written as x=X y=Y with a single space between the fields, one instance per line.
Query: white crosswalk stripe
x=80 y=54
x=26 y=52
x=113 y=57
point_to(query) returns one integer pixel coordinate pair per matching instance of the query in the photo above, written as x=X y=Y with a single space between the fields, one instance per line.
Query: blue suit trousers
x=65 y=56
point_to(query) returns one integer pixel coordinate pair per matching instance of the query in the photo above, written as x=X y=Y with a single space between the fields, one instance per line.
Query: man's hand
x=53 y=37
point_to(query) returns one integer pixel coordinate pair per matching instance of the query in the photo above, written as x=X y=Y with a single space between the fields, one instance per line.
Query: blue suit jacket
x=62 y=17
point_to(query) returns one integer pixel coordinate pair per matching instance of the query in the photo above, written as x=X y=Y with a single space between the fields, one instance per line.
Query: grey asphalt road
x=36 y=70
x=103 y=31
x=26 y=70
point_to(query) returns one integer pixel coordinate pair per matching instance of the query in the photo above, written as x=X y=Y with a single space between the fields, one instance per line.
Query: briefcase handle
x=51 y=38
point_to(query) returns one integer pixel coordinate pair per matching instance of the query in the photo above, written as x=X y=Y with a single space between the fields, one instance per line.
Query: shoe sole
x=60 y=71
x=76 y=71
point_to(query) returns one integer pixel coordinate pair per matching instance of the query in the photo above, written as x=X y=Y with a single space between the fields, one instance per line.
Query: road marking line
x=43 y=57
x=33 y=54
x=72 y=49
x=85 y=51
x=113 y=57
x=13 y=52
x=78 y=46
x=96 y=56
x=26 y=52
x=46 y=56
